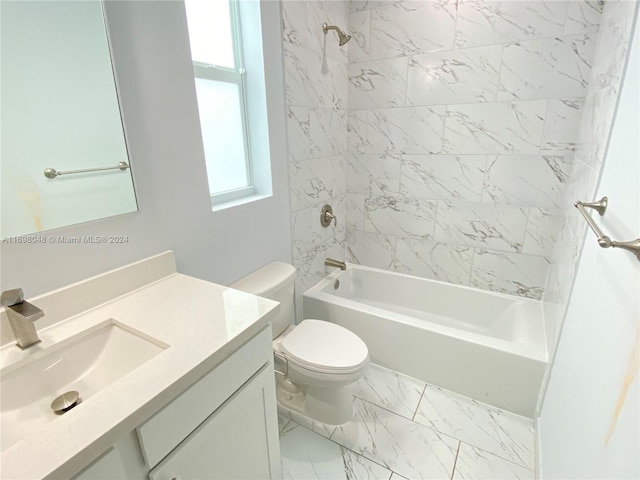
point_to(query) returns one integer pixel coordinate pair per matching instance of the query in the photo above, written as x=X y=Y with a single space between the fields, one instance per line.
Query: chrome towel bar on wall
x=603 y=240
x=53 y=173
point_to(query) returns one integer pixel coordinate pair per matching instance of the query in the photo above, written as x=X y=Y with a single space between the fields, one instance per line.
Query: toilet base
x=330 y=405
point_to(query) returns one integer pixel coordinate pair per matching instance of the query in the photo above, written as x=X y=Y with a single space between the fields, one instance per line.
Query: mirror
x=59 y=111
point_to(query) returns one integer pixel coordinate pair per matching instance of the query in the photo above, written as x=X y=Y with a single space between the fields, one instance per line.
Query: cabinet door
x=238 y=441
x=107 y=467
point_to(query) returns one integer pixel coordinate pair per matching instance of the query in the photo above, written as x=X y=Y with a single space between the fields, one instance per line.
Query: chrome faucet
x=330 y=262
x=21 y=316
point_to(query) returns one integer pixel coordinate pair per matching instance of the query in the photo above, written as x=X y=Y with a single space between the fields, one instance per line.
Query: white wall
x=155 y=78
x=590 y=422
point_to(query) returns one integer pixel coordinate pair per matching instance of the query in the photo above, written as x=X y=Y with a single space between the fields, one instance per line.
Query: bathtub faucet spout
x=330 y=262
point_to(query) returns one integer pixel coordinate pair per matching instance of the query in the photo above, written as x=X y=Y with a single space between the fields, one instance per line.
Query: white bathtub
x=485 y=345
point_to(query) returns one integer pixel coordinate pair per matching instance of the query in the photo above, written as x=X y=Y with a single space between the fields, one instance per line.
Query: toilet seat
x=325 y=347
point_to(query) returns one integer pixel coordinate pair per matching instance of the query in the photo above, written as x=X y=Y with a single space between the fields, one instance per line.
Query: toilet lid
x=324 y=346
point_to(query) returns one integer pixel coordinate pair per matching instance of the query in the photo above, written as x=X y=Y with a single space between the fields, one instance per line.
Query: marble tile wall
x=612 y=45
x=316 y=89
x=463 y=122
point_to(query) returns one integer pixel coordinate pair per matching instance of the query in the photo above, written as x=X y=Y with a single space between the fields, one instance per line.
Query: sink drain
x=65 y=402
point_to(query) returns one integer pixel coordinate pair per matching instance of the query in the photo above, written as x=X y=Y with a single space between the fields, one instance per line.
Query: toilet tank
x=274 y=281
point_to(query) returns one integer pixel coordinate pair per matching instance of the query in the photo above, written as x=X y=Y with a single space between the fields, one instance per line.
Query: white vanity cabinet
x=230 y=444
x=224 y=426
x=108 y=466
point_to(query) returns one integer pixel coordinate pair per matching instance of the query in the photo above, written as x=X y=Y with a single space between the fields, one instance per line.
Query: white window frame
x=236 y=76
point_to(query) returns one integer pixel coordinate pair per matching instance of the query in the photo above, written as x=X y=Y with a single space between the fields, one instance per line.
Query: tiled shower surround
x=316 y=96
x=463 y=118
x=443 y=134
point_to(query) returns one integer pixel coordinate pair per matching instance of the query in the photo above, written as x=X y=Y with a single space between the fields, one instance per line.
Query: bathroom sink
x=87 y=362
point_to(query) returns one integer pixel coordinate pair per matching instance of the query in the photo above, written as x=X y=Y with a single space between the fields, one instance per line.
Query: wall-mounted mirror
x=60 y=111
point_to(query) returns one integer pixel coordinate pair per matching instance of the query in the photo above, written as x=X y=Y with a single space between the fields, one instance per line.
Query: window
x=231 y=100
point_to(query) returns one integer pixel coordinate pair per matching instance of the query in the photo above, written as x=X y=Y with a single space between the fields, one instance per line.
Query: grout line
x=453 y=470
x=472 y=266
x=413 y=418
x=493 y=454
x=500 y=70
x=409 y=420
x=436 y=218
x=310 y=428
x=406 y=82
x=332 y=434
x=280 y=430
x=398 y=475
x=526 y=230
x=383 y=408
x=445 y=51
x=545 y=124
x=377 y=462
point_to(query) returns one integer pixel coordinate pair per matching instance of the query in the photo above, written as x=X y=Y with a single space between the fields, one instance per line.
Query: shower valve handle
x=326 y=215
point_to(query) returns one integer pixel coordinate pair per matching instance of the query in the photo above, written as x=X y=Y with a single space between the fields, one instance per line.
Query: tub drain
x=336 y=284
x=65 y=402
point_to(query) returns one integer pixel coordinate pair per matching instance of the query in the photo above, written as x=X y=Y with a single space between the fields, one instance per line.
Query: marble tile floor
x=403 y=428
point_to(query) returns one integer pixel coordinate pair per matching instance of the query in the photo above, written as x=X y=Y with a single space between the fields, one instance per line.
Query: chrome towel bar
x=53 y=173
x=603 y=240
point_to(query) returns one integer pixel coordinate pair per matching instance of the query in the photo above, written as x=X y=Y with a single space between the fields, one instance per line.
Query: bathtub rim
x=524 y=350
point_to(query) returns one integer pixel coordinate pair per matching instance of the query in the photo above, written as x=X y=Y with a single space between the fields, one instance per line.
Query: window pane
x=210 y=34
x=222 y=134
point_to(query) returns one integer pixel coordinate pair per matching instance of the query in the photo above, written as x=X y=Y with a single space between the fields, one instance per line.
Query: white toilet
x=318 y=360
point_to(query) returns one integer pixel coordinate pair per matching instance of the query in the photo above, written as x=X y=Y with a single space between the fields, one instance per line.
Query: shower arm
x=326 y=28
x=343 y=38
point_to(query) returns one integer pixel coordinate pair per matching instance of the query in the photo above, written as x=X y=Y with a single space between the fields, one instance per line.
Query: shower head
x=343 y=38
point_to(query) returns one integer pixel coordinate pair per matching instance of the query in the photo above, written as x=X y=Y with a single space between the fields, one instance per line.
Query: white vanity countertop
x=203 y=323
